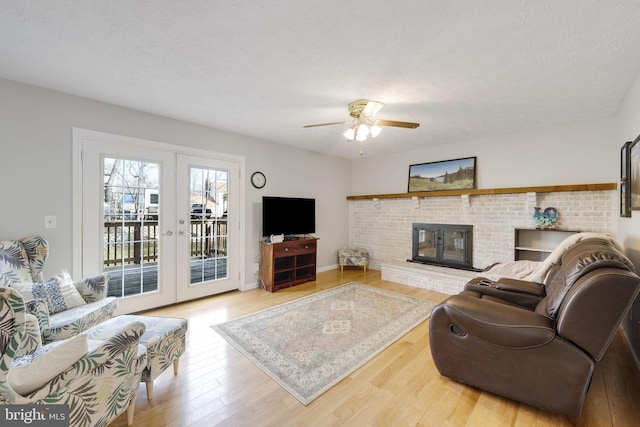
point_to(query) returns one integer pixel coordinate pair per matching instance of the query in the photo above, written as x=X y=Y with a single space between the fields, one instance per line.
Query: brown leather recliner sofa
x=537 y=343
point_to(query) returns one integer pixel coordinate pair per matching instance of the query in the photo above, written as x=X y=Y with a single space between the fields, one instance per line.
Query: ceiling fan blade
x=409 y=125
x=326 y=124
x=372 y=108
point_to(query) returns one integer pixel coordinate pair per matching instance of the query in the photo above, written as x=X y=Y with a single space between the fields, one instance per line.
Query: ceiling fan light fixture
x=363 y=131
x=362 y=124
x=350 y=134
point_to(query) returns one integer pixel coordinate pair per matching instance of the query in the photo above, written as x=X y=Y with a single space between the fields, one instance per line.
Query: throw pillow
x=59 y=293
x=94 y=288
x=31 y=372
x=70 y=293
x=25 y=290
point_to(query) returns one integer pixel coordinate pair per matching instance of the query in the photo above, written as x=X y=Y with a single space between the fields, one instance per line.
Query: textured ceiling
x=463 y=68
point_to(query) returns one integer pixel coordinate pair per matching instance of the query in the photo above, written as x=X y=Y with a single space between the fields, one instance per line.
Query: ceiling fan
x=363 y=124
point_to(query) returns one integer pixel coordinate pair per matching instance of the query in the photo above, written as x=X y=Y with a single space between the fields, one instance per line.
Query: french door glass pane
x=130 y=232
x=209 y=233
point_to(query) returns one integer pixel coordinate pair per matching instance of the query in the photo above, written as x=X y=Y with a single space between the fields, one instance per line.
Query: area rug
x=310 y=344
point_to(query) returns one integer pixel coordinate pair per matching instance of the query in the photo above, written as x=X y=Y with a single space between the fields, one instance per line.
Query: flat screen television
x=288 y=216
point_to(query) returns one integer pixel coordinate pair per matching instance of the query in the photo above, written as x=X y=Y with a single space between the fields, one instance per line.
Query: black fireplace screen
x=443 y=244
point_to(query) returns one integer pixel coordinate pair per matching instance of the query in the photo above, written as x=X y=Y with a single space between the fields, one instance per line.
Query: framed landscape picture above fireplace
x=457 y=174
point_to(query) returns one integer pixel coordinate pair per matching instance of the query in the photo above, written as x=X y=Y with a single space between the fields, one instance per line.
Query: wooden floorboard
x=218 y=386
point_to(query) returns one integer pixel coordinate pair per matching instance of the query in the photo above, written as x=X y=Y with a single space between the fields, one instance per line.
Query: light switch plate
x=50 y=221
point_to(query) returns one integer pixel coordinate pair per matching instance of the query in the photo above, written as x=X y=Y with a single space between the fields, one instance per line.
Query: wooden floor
x=217 y=385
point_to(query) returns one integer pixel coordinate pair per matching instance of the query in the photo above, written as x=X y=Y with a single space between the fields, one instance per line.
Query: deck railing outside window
x=132 y=242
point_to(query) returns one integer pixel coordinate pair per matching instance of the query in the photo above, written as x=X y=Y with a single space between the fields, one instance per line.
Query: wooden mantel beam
x=475 y=192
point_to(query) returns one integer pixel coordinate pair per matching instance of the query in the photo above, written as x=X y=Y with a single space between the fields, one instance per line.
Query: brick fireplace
x=384 y=226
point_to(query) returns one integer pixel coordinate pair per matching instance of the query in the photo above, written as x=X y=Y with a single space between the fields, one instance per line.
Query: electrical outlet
x=50 y=221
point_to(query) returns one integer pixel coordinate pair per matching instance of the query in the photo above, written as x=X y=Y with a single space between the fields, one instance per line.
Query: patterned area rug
x=310 y=344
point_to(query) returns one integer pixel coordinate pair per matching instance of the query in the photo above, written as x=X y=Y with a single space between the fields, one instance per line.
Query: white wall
x=629 y=228
x=35 y=169
x=579 y=153
x=628 y=130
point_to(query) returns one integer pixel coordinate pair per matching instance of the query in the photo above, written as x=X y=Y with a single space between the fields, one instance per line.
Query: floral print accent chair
x=21 y=267
x=98 y=380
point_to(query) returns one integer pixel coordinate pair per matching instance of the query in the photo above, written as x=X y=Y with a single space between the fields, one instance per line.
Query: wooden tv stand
x=287 y=263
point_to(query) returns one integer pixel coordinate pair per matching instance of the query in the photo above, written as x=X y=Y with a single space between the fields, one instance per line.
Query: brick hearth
x=441 y=279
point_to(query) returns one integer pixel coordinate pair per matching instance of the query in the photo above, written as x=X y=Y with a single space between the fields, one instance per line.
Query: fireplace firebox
x=447 y=245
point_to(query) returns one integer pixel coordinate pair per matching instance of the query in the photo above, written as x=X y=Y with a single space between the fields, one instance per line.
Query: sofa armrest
x=496 y=323
x=520 y=286
x=39 y=309
x=93 y=288
x=521 y=292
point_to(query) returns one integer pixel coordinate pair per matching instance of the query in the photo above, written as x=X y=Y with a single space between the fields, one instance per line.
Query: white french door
x=207 y=211
x=156 y=220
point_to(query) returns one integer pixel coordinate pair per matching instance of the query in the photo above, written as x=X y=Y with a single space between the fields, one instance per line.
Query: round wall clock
x=258 y=179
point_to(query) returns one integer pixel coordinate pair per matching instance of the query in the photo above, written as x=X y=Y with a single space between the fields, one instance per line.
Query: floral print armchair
x=22 y=262
x=98 y=387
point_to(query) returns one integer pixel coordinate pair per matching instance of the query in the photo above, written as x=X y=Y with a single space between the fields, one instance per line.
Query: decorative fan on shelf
x=363 y=125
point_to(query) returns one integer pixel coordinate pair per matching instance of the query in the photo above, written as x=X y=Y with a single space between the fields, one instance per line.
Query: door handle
x=182 y=233
x=168 y=233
